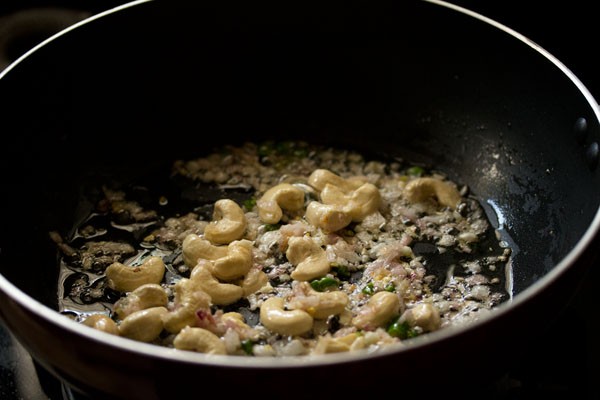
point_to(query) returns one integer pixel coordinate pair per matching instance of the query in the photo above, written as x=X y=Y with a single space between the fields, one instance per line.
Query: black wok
x=125 y=94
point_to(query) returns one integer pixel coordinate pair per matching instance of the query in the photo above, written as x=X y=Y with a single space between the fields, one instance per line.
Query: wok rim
x=173 y=355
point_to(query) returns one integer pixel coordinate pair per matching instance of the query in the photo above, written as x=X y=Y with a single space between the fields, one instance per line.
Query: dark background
x=568 y=30
x=562 y=361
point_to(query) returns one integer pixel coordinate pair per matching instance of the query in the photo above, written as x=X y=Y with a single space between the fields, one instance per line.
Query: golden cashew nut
x=358 y=203
x=424 y=315
x=124 y=278
x=234 y=318
x=144 y=325
x=321 y=177
x=309 y=258
x=421 y=189
x=328 y=344
x=328 y=217
x=236 y=321
x=145 y=296
x=290 y=323
x=236 y=263
x=278 y=198
x=322 y=304
x=189 y=298
x=195 y=248
x=254 y=281
x=330 y=303
x=221 y=294
x=199 y=340
x=102 y=323
x=379 y=310
x=229 y=223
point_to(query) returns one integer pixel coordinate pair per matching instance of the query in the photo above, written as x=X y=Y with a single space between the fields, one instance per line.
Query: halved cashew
x=309 y=258
x=144 y=326
x=145 y=296
x=321 y=177
x=200 y=340
x=330 y=303
x=275 y=318
x=254 y=281
x=236 y=263
x=125 y=278
x=229 y=223
x=195 y=248
x=424 y=315
x=328 y=217
x=358 y=203
x=320 y=305
x=102 y=323
x=328 y=344
x=234 y=318
x=236 y=322
x=189 y=298
x=221 y=294
x=421 y=189
x=283 y=196
x=379 y=310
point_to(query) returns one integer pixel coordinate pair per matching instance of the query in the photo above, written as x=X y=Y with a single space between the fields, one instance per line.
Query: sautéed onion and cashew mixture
x=285 y=249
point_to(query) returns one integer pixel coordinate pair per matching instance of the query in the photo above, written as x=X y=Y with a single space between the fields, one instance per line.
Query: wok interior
x=130 y=93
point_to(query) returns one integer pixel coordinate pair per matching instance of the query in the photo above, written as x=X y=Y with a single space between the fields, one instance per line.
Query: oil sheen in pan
x=85 y=291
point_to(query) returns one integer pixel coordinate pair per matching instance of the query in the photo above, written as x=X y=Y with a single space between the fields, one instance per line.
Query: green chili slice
x=390 y=287
x=249 y=203
x=248 y=346
x=401 y=330
x=322 y=284
x=415 y=171
x=369 y=288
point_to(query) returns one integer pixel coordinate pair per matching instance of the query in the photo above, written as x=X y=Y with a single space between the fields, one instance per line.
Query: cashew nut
x=328 y=217
x=221 y=294
x=200 y=340
x=358 y=203
x=189 y=298
x=234 y=317
x=309 y=258
x=283 y=196
x=229 y=223
x=275 y=318
x=321 y=177
x=236 y=263
x=102 y=323
x=124 y=278
x=236 y=322
x=195 y=248
x=330 y=303
x=424 y=315
x=379 y=310
x=144 y=325
x=328 y=344
x=421 y=189
x=254 y=281
x=145 y=296
x=320 y=305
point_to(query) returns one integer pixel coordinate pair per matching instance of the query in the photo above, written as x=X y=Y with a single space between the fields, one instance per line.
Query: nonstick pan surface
x=126 y=94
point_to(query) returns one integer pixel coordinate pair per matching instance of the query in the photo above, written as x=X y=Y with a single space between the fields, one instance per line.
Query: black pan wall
x=162 y=81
